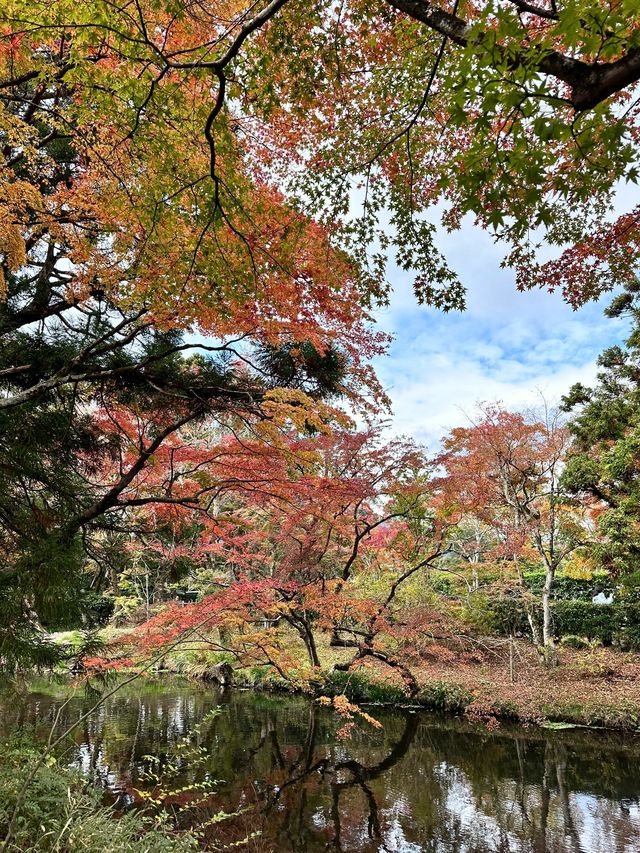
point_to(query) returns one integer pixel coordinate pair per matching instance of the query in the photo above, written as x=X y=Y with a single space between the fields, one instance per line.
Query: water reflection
x=421 y=784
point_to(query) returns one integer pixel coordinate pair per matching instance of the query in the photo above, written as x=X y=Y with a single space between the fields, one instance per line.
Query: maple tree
x=141 y=290
x=68 y=489
x=522 y=114
x=392 y=115
x=505 y=470
x=291 y=534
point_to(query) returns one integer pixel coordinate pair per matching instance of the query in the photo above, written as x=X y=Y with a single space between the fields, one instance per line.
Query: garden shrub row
x=611 y=624
x=568 y=588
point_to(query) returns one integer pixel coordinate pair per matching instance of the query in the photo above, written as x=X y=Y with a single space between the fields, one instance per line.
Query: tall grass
x=63 y=813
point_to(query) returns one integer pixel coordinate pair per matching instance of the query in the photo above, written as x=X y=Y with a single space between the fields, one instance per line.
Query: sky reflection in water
x=422 y=784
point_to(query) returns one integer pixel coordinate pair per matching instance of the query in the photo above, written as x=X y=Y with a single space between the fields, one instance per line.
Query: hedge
x=609 y=624
x=570 y=589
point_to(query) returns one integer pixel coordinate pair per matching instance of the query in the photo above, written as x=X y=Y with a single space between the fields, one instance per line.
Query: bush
x=605 y=623
x=630 y=633
x=98 y=609
x=357 y=687
x=442 y=585
x=573 y=642
x=508 y=617
x=583 y=619
x=566 y=588
x=477 y=612
x=254 y=676
x=87 y=610
x=441 y=696
x=62 y=812
x=197 y=663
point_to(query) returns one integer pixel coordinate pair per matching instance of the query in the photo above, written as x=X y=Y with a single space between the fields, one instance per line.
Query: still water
x=422 y=783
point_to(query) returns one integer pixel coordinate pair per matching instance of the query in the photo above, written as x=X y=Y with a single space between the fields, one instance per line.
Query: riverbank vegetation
x=61 y=811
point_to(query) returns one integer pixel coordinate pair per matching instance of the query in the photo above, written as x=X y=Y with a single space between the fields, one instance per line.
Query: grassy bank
x=484 y=678
x=590 y=687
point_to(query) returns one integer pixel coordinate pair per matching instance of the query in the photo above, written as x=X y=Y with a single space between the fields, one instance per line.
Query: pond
x=421 y=783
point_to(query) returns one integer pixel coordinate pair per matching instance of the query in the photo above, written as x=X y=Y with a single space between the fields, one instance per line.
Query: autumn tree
x=505 y=470
x=523 y=116
x=519 y=114
x=149 y=280
x=296 y=531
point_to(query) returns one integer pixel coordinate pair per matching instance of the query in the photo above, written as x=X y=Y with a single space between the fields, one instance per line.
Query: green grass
x=443 y=696
x=358 y=687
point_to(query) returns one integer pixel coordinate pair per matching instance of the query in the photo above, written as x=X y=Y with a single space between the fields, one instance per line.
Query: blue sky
x=507 y=346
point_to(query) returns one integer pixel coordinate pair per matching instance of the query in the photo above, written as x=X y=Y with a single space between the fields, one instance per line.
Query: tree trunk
x=536 y=636
x=304 y=629
x=312 y=650
x=549 y=649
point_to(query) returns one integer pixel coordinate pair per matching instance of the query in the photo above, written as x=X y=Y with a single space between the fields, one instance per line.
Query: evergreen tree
x=605 y=463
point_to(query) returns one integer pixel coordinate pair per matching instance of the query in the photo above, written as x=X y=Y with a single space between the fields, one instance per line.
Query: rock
x=222 y=673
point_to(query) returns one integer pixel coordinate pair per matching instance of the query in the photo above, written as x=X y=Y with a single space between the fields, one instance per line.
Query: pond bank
x=598 y=688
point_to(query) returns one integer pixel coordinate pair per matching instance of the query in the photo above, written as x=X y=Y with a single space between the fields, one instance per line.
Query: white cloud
x=506 y=346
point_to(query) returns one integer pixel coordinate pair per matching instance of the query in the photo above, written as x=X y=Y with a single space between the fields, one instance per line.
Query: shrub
x=357 y=687
x=573 y=642
x=254 y=676
x=584 y=619
x=441 y=696
x=508 y=616
x=478 y=612
x=617 y=623
x=566 y=588
x=197 y=663
x=630 y=634
x=61 y=812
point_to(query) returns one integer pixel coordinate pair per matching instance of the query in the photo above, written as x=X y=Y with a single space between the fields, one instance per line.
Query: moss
x=506 y=710
x=624 y=716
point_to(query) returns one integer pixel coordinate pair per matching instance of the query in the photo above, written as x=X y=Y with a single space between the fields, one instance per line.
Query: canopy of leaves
x=150 y=279
x=175 y=129
x=389 y=115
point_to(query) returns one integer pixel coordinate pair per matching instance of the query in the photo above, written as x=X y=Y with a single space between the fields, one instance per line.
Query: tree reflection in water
x=421 y=784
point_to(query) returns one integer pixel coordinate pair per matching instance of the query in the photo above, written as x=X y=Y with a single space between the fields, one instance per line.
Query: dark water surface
x=422 y=783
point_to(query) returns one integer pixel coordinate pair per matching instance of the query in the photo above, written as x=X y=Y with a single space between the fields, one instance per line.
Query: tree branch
x=589 y=83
